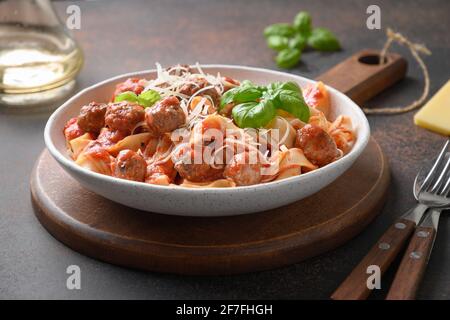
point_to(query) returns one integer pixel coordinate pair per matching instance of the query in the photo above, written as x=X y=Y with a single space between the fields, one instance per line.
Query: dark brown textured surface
x=33 y=264
x=226 y=245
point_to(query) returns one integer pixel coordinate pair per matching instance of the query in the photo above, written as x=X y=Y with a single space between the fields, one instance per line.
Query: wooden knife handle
x=382 y=254
x=413 y=265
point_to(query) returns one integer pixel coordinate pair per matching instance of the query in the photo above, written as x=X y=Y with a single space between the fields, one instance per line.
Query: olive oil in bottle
x=38 y=58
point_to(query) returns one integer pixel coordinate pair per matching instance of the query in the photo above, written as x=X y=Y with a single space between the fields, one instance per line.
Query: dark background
x=124 y=36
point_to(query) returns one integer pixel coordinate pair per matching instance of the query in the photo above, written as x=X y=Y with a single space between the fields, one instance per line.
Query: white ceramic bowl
x=204 y=202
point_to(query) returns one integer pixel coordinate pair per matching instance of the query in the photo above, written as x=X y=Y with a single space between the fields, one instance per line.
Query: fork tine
x=440 y=179
x=446 y=190
x=431 y=174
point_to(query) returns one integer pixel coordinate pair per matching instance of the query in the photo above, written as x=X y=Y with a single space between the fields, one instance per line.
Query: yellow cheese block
x=435 y=115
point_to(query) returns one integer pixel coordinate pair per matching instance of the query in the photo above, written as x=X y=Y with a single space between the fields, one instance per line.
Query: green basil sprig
x=145 y=99
x=288 y=96
x=288 y=58
x=254 y=114
x=277 y=86
x=323 y=39
x=246 y=92
x=303 y=23
x=256 y=105
x=148 y=98
x=293 y=103
x=299 y=42
x=129 y=96
x=278 y=43
x=290 y=40
x=279 y=29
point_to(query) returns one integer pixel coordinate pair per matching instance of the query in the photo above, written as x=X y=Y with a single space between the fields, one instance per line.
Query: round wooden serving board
x=117 y=234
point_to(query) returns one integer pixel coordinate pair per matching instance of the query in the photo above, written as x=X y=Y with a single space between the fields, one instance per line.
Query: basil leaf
x=251 y=113
x=323 y=39
x=247 y=83
x=293 y=102
x=303 y=23
x=288 y=96
x=277 y=43
x=254 y=114
x=126 y=96
x=245 y=93
x=279 y=29
x=299 y=42
x=148 y=98
x=288 y=58
x=227 y=97
x=289 y=85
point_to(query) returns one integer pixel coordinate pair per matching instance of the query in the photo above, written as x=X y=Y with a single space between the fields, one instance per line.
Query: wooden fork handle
x=382 y=254
x=412 y=267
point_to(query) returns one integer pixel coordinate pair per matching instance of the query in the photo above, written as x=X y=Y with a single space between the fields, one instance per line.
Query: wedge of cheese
x=435 y=114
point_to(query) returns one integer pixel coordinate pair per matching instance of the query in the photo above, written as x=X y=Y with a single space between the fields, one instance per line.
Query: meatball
x=129 y=165
x=160 y=173
x=124 y=116
x=190 y=170
x=92 y=117
x=72 y=130
x=317 y=145
x=165 y=116
x=202 y=172
x=132 y=84
x=198 y=84
x=108 y=138
x=242 y=170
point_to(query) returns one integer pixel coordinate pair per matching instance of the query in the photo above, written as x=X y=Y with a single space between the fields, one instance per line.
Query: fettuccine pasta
x=190 y=129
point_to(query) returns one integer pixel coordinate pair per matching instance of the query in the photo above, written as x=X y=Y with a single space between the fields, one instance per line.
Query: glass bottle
x=38 y=58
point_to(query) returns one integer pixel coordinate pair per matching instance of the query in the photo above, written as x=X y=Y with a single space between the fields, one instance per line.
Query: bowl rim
x=354 y=153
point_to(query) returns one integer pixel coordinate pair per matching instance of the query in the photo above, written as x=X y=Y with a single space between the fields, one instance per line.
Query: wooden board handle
x=382 y=254
x=361 y=77
x=412 y=267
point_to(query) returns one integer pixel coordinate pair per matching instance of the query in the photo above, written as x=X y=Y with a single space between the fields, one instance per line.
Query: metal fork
x=429 y=194
x=415 y=260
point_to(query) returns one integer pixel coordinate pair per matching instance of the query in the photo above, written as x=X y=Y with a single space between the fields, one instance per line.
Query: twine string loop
x=416 y=49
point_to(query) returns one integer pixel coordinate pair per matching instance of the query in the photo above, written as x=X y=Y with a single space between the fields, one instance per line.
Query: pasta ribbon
x=133 y=142
x=78 y=144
